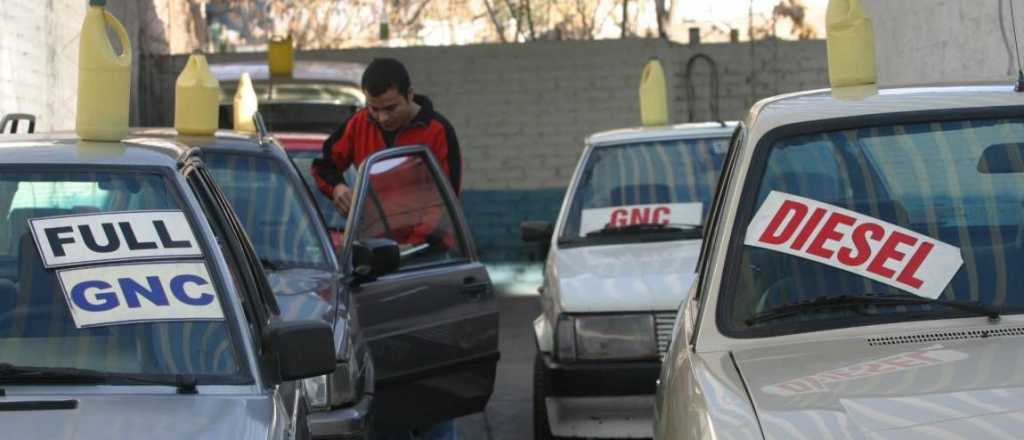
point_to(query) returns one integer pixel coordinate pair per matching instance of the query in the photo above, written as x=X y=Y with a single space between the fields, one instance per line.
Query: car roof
x=817 y=105
x=679 y=131
x=342 y=71
x=141 y=147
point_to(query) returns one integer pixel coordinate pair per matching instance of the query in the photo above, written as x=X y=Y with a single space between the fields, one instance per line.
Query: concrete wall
x=929 y=41
x=522 y=111
x=38 y=52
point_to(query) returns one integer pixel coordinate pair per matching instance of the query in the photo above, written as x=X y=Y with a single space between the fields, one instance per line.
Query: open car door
x=431 y=321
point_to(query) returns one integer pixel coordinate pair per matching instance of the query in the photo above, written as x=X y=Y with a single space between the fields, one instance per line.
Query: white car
x=621 y=259
x=861 y=276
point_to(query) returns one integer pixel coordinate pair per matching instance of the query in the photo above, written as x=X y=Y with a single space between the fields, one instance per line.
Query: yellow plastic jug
x=850 y=43
x=245 y=105
x=653 y=94
x=196 y=98
x=281 y=56
x=104 y=77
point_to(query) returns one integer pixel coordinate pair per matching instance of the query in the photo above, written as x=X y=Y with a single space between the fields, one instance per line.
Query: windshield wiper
x=857 y=301
x=646 y=228
x=185 y=383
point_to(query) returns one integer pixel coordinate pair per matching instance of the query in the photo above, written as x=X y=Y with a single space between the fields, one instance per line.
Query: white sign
x=123 y=294
x=115 y=236
x=855 y=243
x=619 y=216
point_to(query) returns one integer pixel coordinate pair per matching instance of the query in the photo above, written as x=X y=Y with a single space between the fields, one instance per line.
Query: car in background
x=284 y=226
x=316 y=98
x=132 y=299
x=621 y=258
x=860 y=276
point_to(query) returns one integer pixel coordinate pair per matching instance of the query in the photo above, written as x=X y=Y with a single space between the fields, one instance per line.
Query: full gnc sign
x=115 y=236
x=129 y=293
x=854 y=242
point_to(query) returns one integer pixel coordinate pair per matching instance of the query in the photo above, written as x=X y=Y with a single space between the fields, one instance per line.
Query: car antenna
x=1019 y=87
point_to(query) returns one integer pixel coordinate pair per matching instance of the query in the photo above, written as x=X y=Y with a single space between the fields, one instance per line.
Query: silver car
x=132 y=302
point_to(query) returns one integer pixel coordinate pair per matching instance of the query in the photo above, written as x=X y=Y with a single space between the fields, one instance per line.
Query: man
x=394 y=116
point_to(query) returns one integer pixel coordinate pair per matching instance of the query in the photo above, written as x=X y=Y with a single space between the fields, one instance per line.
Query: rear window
x=930 y=209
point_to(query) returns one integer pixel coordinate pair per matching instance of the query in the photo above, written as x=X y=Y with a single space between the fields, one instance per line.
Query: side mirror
x=536 y=231
x=300 y=349
x=375 y=257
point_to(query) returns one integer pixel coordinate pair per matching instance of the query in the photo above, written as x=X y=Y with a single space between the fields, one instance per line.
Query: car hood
x=152 y=417
x=886 y=389
x=625 y=277
x=304 y=294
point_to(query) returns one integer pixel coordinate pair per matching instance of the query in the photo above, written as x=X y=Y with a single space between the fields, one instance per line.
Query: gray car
x=132 y=302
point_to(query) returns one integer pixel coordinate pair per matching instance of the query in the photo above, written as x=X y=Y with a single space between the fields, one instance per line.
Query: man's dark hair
x=383 y=74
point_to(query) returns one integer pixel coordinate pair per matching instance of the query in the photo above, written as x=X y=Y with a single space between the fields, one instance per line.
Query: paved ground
x=508 y=415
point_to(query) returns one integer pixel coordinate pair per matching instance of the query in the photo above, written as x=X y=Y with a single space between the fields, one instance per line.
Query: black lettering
x=165 y=237
x=90 y=242
x=133 y=242
x=56 y=241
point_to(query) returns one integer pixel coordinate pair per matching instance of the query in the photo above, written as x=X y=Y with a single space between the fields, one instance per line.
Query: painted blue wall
x=494 y=217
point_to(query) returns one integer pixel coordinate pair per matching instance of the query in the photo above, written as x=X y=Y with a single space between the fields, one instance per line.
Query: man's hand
x=342 y=198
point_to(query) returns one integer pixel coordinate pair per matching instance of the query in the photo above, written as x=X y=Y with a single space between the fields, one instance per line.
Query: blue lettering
x=178 y=289
x=108 y=299
x=131 y=291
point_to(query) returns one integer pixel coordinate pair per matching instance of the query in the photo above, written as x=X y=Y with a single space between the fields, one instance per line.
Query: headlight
x=607 y=337
x=316 y=391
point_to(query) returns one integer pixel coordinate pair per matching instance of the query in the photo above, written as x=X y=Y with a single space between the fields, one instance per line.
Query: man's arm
x=337 y=156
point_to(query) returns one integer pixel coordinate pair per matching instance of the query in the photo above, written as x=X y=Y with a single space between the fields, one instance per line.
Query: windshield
x=933 y=210
x=270 y=206
x=322 y=92
x=303 y=161
x=651 y=183
x=80 y=288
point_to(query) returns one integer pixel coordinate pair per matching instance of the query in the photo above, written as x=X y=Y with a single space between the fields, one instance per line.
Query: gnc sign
x=660 y=214
x=854 y=242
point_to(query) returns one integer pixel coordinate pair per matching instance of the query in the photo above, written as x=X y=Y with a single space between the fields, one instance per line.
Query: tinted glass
x=645 y=183
x=925 y=179
x=404 y=203
x=271 y=207
x=37 y=325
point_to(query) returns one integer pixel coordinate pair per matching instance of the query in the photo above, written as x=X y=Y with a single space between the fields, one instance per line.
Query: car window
x=87 y=283
x=663 y=182
x=404 y=203
x=919 y=215
x=303 y=161
x=325 y=92
x=271 y=207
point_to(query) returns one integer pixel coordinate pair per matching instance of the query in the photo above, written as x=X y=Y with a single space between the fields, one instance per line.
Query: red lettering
x=771 y=234
x=860 y=241
x=660 y=211
x=907 y=275
x=889 y=252
x=903 y=362
x=828 y=233
x=641 y=216
x=619 y=217
x=808 y=228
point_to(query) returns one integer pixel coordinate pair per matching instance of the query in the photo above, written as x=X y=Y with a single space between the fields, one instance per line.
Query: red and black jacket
x=360 y=136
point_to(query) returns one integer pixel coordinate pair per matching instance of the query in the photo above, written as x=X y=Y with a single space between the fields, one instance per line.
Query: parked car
x=621 y=259
x=860 y=274
x=132 y=300
x=316 y=98
x=283 y=223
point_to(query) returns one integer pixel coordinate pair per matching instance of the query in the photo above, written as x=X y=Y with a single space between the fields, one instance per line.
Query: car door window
x=403 y=202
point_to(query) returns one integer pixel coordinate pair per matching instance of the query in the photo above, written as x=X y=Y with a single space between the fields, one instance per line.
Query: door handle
x=475 y=291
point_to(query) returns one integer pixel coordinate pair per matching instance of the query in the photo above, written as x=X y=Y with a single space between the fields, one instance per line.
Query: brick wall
x=522 y=111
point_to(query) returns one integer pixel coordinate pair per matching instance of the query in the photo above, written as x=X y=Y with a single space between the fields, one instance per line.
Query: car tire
x=541 y=427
